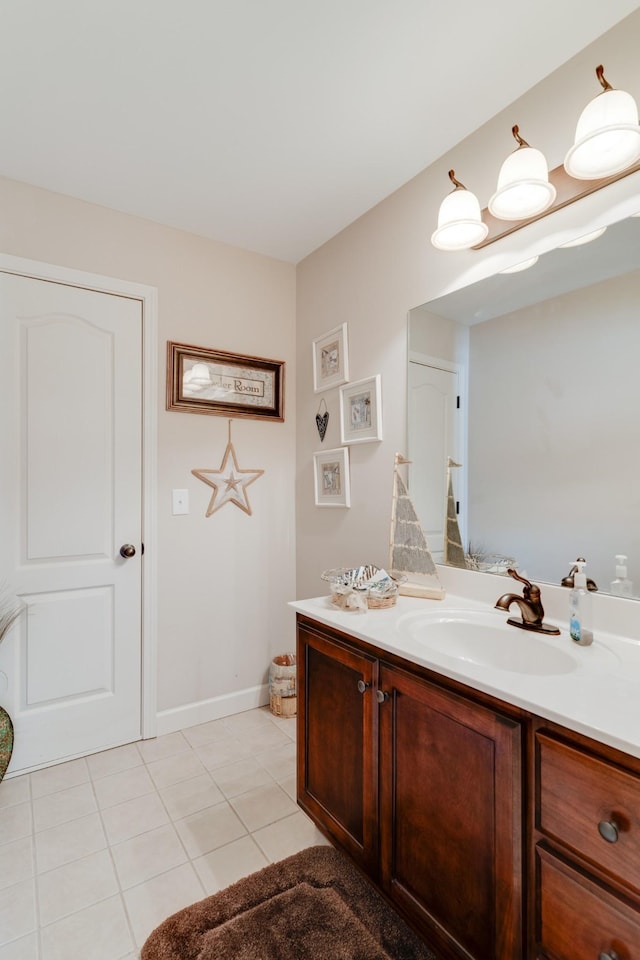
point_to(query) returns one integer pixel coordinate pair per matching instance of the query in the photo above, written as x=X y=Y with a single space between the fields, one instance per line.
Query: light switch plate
x=179 y=502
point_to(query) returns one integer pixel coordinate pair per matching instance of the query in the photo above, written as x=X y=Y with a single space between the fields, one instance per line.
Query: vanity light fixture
x=607 y=137
x=523 y=183
x=460 y=224
x=523 y=265
x=585 y=238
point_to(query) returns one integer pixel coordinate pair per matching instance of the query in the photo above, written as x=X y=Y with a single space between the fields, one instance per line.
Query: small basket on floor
x=282 y=686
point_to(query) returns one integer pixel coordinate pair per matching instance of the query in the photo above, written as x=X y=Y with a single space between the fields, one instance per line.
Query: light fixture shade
x=460 y=224
x=523 y=184
x=585 y=238
x=523 y=265
x=607 y=137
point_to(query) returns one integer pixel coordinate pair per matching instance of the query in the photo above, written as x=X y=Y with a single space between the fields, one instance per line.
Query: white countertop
x=596 y=692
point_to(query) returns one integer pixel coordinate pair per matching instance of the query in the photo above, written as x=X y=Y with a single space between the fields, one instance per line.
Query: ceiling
x=267 y=124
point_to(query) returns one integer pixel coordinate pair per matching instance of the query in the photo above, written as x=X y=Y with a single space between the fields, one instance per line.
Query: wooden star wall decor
x=231 y=487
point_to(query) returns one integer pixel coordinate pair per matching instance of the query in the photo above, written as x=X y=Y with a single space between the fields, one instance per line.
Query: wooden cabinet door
x=450 y=818
x=337 y=737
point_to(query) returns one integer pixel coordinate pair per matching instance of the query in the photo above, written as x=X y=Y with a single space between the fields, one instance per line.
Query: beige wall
x=383 y=265
x=223 y=580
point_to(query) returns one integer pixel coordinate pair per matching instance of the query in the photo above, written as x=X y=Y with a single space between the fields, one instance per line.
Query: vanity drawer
x=579 y=797
x=579 y=919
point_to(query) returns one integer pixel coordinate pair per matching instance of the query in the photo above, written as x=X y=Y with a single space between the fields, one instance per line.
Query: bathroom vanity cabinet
x=421 y=786
x=499 y=835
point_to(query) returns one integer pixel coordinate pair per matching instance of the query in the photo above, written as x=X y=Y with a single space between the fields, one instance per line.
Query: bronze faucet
x=530 y=607
x=569 y=581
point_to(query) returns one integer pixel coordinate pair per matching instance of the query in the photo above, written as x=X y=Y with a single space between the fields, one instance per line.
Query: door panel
x=432 y=411
x=70 y=495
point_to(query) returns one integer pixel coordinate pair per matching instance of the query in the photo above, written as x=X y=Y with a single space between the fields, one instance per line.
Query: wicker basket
x=282 y=685
x=345 y=581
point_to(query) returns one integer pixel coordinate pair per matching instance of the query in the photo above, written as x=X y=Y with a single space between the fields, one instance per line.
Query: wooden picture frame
x=361 y=411
x=331 y=478
x=200 y=380
x=330 y=359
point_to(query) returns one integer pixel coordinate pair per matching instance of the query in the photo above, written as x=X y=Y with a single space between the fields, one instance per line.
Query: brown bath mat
x=312 y=906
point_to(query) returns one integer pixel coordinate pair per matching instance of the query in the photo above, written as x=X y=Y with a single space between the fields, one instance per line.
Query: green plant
x=10 y=610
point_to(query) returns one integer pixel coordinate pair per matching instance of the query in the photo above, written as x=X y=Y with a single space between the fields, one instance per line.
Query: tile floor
x=94 y=853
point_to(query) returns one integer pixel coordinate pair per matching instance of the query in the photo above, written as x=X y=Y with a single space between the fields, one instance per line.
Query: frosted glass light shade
x=585 y=238
x=523 y=265
x=523 y=186
x=460 y=224
x=607 y=137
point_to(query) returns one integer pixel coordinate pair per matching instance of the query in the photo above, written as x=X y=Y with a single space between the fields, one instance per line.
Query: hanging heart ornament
x=322 y=421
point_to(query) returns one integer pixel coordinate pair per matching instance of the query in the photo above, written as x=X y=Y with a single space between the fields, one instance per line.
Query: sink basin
x=485 y=639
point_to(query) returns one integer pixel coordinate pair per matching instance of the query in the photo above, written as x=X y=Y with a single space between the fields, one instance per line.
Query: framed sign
x=331 y=478
x=361 y=411
x=224 y=384
x=330 y=359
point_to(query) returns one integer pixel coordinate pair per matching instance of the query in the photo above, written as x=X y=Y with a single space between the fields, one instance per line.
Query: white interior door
x=433 y=438
x=70 y=497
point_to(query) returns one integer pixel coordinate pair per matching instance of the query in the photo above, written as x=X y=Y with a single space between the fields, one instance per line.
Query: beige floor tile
x=122 y=786
x=26 y=948
x=99 y=932
x=240 y=724
x=56 y=808
x=220 y=752
x=288 y=836
x=189 y=796
x=15 y=822
x=290 y=786
x=17 y=861
x=69 y=842
x=184 y=766
x=279 y=761
x=236 y=778
x=147 y=855
x=134 y=817
x=229 y=863
x=264 y=737
x=59 y=777
x=208 y=829
x=262 y=806
x=114 y=761
x=17 y=910
x=205 y=733
x=76 y=885
x=288 y=725
x=160 y=747
x=15 y=790
x=150 y=903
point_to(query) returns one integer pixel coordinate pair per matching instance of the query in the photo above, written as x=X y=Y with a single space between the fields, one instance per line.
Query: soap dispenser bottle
x=580 y=622
x=621 y=586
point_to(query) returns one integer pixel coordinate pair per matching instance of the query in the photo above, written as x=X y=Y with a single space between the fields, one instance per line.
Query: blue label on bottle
x=575 y=629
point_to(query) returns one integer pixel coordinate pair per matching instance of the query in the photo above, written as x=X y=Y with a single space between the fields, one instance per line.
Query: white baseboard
x=168 y=721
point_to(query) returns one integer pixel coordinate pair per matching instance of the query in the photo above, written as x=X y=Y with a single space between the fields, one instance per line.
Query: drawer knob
x=611 y=955
x=608 y=830
x=362 y=686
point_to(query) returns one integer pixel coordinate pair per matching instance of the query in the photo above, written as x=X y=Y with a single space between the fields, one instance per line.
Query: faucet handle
x=530 y=590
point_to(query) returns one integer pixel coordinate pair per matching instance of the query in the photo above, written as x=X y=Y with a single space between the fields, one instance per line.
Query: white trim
x=148 y=296
x=191 y=714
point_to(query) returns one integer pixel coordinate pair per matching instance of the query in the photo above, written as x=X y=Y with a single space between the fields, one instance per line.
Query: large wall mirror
x=546 y=366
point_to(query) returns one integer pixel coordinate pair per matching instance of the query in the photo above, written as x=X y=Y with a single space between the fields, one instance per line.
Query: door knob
x=362 y=686
x=127 y=550
x=382 y=696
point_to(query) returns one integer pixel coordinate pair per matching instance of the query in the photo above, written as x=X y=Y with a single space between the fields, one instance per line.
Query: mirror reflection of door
x=435 y=434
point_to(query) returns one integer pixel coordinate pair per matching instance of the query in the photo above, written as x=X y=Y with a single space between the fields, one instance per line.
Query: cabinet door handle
x=611 y=955
x=381 y=696
x=362 y=686
x=608 y=830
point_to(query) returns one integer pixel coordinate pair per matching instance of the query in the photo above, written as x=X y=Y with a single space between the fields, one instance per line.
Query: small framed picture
x=331 y=478
x=361 y=411
x=330 y=359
